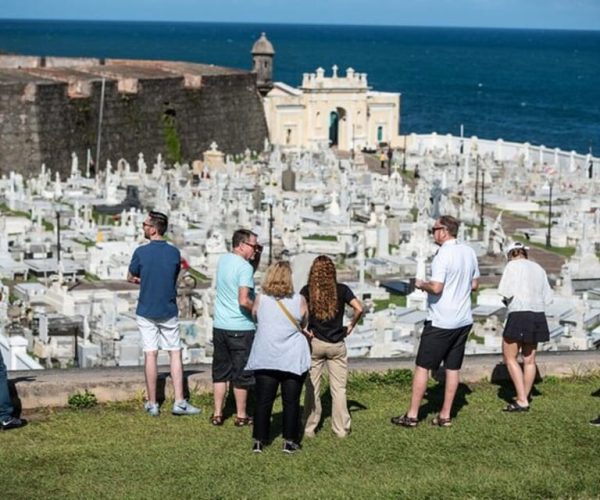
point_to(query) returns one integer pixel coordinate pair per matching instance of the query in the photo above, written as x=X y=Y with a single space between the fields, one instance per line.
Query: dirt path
x=550 y=261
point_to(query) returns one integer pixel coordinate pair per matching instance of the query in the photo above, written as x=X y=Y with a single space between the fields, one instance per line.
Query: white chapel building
x=337 y=111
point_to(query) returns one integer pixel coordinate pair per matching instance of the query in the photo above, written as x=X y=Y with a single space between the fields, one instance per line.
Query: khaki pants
x=337 y=365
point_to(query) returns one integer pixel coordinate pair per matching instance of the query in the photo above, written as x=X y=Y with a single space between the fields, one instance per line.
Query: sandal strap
x=442 y=422
x=216 y=419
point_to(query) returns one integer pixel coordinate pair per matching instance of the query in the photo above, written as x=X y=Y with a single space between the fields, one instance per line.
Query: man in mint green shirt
x=233 y=327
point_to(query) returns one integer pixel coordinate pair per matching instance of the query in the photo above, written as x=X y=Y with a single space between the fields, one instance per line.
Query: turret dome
x=262 y=46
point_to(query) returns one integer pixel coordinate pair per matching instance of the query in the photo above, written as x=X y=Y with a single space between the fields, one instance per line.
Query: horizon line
x=281 y=23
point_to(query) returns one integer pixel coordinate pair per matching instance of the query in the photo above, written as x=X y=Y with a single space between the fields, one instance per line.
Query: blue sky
x=550 y=14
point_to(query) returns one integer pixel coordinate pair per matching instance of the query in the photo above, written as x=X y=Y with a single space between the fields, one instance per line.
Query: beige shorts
x=159 y=333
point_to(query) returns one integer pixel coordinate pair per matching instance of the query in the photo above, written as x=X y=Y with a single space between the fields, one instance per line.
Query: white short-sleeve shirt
x=455 y=265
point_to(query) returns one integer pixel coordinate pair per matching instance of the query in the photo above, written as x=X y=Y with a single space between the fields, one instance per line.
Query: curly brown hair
x=278 y=280
x=322 y=289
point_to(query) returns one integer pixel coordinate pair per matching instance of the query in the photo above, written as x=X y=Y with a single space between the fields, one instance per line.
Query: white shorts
x=159 y=333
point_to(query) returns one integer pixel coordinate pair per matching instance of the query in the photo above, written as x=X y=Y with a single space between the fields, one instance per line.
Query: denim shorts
x=231 y=351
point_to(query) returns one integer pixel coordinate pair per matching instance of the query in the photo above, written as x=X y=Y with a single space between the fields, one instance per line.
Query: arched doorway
x=334 y=123
x=336 y=119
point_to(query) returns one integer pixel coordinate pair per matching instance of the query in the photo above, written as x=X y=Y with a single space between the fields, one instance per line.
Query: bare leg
x=510 y=351
x=419 y=386
x=151 y=374
x=452 y=380
x=241 y=395
x=177 y=374
x=219 y=393
x=529 y=368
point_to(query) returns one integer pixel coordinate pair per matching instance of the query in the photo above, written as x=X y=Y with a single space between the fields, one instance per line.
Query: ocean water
x=541 y=86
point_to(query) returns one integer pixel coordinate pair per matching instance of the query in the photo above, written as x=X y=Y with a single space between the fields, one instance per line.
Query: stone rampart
x=49 y=108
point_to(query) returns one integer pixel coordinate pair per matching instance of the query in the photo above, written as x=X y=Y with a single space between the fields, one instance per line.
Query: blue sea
x=540 y=86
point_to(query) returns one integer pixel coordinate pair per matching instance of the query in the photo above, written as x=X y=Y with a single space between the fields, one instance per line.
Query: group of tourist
x=296 y=334
x=283 y=339
x=270 y=341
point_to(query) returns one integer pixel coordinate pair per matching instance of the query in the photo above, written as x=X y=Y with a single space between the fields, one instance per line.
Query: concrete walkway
x=35 y=389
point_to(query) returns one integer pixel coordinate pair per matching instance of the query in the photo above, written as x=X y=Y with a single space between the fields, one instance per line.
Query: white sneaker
x=184 y=408
x=152 y=409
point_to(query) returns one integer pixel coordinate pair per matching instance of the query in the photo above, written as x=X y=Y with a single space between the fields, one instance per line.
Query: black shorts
x=527 y=327
x=441 y=344
x=231 y=351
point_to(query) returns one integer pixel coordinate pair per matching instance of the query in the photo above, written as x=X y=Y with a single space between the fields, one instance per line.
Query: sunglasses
x=256 y=247
x=434 y=229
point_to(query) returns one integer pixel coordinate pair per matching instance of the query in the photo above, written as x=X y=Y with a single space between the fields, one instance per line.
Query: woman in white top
x=280 y=355
x=526 y=292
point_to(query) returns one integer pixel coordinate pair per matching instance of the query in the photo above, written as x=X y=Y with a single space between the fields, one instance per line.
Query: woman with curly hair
x=280 y=356
x=326 y=300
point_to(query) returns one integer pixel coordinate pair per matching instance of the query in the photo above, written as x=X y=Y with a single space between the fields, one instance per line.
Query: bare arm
x=358 y=312
x=303 y=311
x=245 y=299
x=474 y=284
x=255 y=307
x=133 y=279
x=432 y=287
x=304 y=322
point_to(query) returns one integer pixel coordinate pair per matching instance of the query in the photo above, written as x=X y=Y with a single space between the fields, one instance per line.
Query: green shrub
x=172 y=141
x=79 y=401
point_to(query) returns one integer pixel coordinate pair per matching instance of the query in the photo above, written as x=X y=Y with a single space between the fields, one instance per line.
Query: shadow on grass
x=326 y=406
x=435 y=398
x=596 y=393
x=161 y=384
x=506 y=389
x=14 y=394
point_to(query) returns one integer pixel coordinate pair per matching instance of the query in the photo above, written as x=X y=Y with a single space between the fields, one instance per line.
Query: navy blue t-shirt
x=157 y=265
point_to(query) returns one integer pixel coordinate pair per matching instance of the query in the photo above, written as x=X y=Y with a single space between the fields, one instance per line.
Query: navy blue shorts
x=441 y=344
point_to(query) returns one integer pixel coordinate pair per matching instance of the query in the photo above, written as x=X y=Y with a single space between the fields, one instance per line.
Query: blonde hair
x=322 y=289
x=278 y=280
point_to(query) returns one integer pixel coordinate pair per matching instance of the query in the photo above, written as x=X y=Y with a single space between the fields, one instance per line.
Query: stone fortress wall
x=49 y=108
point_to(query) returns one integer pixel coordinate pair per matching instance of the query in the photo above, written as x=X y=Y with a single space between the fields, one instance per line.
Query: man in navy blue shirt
x=155 y=267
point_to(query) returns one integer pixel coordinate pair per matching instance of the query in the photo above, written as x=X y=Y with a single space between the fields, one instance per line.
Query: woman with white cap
x=526 y=292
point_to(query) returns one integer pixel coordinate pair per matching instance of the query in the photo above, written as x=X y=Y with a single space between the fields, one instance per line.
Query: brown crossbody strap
x=289 y=316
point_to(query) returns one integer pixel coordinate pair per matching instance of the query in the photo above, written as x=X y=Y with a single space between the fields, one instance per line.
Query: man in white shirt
x=454 y=274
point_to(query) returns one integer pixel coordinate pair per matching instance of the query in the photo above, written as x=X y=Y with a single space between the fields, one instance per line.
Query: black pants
x=267 y=382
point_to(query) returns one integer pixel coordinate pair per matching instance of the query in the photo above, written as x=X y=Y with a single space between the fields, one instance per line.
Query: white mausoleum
x=338 y=111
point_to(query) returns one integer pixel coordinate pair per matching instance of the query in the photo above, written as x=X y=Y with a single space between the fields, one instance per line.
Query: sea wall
x=50 y=108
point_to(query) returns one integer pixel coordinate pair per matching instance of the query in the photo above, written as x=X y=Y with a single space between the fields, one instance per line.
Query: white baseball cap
x=515 y=245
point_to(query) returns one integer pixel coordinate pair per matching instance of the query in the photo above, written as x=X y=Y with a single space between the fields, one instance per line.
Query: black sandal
x=217 y=419
x=515 y=407
x=442 y=422
x=243 y=421
x=404 y=421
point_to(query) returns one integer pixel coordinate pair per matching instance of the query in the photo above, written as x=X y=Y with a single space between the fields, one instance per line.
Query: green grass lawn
x=115 y=451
